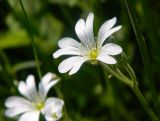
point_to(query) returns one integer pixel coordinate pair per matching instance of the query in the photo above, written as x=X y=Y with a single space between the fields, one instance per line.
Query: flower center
x=54 y=116
x=39 y=105
x=93 y=54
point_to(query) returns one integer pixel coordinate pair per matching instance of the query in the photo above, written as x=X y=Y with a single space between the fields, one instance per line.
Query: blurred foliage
x=91 y=94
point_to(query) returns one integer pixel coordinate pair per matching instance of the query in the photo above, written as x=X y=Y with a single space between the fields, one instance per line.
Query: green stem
x=29 y=30
x=7 y=69
x=139 y=94
x=145 y=104
x=125 y=80
x=6 y=66
x=144 y=53
x=23 y=65
x=121 y=74
x=132 y=74
x=133 y=85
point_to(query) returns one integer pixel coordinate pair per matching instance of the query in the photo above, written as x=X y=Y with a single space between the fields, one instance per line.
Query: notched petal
x=112 y=49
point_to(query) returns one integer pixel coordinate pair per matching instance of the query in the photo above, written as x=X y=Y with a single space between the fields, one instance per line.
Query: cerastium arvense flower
x=90 y=48
x=94 y=49
x=35 y=101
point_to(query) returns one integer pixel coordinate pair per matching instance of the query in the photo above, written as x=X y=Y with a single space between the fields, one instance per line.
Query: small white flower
x=90 y=48
x=53 y=110
x=34 y=101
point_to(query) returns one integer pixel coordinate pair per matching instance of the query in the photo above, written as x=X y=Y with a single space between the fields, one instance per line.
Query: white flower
x=90 y=48
x=34 y=101
x=53 y=111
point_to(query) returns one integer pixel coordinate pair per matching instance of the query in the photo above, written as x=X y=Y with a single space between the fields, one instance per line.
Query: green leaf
x=23 y=65
x=12 y=39
x=50 y=30
x=68 y=2
x=15 y=36
x=32 y=6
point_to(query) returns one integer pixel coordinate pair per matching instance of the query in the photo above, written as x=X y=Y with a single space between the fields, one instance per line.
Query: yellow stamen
x=54 y=115
x=93 y=54
x=39 y=105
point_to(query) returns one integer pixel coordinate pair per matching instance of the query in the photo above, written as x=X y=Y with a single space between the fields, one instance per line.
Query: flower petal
x=66 y=51
x=28 y=89
x=54 y=101
x=84 y=31
x=16 y=101
x=47 y=82
x=105 y=30
x=53 y=109
x=23 y=89
x=17 y=105
x=47 y=78
x=68 y=64
x=30 y=82
x=106 y=34
x=67 y=42
x=77 y=66
x=80 y=29
x=112 y=49
x=106 y=59
x=12 y=112
x=89 y=27
x=107 y=25
x=30 y=116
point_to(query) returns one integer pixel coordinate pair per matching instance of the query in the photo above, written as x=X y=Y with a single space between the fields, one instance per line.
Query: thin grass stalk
x=7 y=68
x=23 y=65
x=30 y=32
x=143 y=50
x=132 y=84
x=145 y=104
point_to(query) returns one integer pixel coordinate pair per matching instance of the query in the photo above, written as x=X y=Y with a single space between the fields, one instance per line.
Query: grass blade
x=29 y=30
x=144 y=52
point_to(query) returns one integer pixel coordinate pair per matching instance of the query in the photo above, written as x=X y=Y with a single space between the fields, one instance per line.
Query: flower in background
x=53 y=111
x=34 y=101
x=90 y=48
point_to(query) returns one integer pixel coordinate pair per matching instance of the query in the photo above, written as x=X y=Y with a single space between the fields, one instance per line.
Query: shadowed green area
x=92 y=94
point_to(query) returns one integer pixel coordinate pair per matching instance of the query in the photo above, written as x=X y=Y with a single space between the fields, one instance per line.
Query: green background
x=90 y=94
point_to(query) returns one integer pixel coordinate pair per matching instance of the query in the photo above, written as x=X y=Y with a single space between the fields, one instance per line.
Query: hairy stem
x=145 y=104
x=133 y=84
